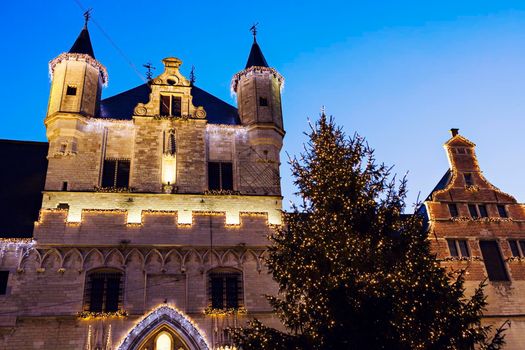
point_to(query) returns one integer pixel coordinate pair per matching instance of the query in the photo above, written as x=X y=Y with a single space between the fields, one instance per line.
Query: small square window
x=483 y=211
x=71 y=90
x=263 y=101
x=468 y=179
x=453 y=209
x=473 y=211
x=4 y=277
x=502 y=211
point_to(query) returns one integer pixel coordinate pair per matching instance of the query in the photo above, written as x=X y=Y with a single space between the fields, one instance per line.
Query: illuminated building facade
x=475 y=226
x=152 y=225
x=155 y=211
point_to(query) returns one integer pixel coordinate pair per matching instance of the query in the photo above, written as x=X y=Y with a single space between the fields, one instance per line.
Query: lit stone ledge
x=183 y=205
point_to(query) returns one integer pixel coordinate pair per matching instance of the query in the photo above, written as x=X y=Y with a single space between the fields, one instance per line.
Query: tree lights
x=353 y=271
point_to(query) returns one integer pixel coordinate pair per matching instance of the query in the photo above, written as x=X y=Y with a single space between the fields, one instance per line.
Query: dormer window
x=170 y=105
x=71 y=90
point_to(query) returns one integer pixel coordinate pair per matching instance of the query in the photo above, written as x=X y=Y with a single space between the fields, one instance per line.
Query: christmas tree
x=353 y=271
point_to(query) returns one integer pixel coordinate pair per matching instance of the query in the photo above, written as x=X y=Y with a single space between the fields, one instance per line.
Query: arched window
x=103 y=291
x=163 y=342
x=225 y=288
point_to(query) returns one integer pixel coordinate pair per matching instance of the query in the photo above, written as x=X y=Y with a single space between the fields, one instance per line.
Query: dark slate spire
x=83 y=42
x=256 y=57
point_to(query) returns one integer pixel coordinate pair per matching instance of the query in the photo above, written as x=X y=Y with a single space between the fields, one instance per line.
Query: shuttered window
x=103 y=292
x=225 y=290
x=220 y=176
x=116 y=173
x=494 y=263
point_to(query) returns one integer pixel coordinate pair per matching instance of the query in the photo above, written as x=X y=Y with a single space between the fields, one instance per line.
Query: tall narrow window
x=170 y=105
x=4 y=277
x=494 y=263
x=116 y=173
x=103 y=292
x=220 y=176
x=502 y=211
x=453 y=209
x=225 y=289
x=483 y=211
x=468 y=179
x=473 y=211
x=515 y=250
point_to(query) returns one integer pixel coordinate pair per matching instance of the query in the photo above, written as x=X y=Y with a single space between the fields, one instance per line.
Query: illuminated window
x=4 y=276
x=225 y=289
x=103 y=292
x=170 y=105
x=220 y=176
x=453 y=209
x=116 y=173
x=71 y=90
x=458 y=247
x=502 y=211
x=517 y=248
x=163 y=342
x=493 y=260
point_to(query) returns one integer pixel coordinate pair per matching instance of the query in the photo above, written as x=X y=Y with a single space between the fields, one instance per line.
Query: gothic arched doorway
x=164 y=328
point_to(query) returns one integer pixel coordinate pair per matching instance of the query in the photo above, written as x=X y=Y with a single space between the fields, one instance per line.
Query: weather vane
x=253 y=29
x=87 y=16
x=149 y=67
x=192 y=75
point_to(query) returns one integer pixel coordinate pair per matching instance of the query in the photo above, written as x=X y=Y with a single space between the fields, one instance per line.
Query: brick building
x=151 y=211
x=143 y=221
x=473 y=225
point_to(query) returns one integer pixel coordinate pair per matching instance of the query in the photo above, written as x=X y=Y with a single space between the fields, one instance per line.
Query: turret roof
x=83 y=43
x=256 y=57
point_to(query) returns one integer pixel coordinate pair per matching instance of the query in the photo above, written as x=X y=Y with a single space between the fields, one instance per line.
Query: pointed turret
x=256 y=57
x=258 y=89
x=83 y=43
x=77 y=79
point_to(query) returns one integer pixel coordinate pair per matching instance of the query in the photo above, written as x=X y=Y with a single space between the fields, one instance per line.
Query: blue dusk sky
x=400 y=73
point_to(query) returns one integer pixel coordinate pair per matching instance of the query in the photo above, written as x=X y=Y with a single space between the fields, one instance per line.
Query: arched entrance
x=164 y=328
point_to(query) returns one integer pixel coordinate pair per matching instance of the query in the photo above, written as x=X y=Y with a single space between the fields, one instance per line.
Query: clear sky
x=400 y=73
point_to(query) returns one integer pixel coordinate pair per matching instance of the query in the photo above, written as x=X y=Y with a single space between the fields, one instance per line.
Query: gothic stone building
x=146 y=214
x=154 y=214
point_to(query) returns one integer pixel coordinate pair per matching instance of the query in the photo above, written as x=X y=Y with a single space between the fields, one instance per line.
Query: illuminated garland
x=515 y=259
x=79 y=57
x=472 y=188
x=462 y=258
x=480 y=219
x=222 y=192
x=211 y=311
x=114 y=189
x=91 y=315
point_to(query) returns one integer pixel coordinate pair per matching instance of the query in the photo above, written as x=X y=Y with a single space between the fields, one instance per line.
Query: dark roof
x=256 y=57
x=24 y=167
x=83 y=43
x=422 y=210
x=121 y=106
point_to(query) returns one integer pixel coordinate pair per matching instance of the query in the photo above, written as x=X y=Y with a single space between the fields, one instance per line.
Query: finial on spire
x=87 y=16
x=192 y=75
x=253 y=29
x=149 y=67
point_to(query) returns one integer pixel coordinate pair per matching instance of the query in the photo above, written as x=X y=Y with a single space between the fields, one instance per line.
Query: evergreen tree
x=353 y=271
